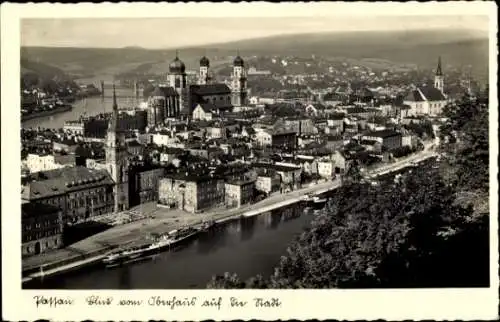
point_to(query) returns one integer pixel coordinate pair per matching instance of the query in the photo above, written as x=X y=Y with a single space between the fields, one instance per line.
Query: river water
x=92 y=106
x=247 y=246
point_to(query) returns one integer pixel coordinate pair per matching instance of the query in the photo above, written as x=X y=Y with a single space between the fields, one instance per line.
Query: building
x=42 y=228
x=179 y=98
x=218 y=95
x=428 y=100
x=117 y=162
x=268 y=181
x=290 y=174
x=80 y=193
x=389 y=139
x=143 y=183
x=205 y=112
x=239 y=83
x=239 y=191
x=279 y=139
x=191 y=192
x=46 y=162
x=341 y=160
x=326 y=168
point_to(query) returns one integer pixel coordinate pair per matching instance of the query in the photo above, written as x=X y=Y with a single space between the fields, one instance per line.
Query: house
x=167 y=155
x=143 y=183
x=276 y=139
x=216 y=131
x=332 y=99
x=389 y=139
x=326 y=168
x=341 y=160
x=336 y=121
x=46 y=162
x=80 y=192
x=299 y=125
x=315 y=109
x=41 y=228
x=134 y=147
x=239 y=191
x=268 y=181
x=290 y=174
x=205 y=112
x=191 y=192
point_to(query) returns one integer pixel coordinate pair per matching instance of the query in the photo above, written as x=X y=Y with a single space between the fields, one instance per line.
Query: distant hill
x=417 y=47
x=457 y=47
x=32 y=67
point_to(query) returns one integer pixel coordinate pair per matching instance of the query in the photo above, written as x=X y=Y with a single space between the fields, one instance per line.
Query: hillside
x=458 y=47
x=416 y=47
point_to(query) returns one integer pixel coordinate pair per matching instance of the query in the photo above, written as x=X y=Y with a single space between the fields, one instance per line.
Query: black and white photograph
x=253 y=152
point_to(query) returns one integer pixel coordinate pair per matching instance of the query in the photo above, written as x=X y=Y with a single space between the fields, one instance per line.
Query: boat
x=182 y=234
x=127 y=254
x=317 y=200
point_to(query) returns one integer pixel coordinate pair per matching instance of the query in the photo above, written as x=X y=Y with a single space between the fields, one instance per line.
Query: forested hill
x=37 y=74
x=459 y=47
x=420 y=46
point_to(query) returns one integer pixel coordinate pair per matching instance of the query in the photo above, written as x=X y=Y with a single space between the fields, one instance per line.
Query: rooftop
x=32 y=209
x=60 y=181
x=382 y=133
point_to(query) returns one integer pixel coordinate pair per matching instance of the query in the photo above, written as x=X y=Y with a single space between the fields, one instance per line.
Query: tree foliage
x=408 y=233
x=465 y=138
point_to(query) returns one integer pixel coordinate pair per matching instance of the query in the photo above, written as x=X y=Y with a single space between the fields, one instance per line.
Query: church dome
x=177 y=66
x=204 y=62
x=238 y=61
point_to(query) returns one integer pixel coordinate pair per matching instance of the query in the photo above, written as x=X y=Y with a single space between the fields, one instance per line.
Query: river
x=247 y=246
x=93 y=106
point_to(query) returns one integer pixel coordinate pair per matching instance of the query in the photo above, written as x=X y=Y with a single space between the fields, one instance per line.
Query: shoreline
x=94 y=260
x=218 y=216
x=28 y=117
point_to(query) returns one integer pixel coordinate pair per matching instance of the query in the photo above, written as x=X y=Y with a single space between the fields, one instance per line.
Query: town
x=199 y=147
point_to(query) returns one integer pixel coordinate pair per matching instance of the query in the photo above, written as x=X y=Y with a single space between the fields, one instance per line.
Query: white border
x=438 y=304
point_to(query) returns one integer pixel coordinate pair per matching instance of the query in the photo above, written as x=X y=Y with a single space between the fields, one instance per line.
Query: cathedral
x=178 y=99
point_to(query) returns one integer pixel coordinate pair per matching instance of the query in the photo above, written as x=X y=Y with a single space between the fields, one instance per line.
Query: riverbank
x=57 y=110
x=161 y=220
x=88 y=251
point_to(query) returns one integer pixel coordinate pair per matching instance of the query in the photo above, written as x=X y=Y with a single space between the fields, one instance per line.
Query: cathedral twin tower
x=238 y=87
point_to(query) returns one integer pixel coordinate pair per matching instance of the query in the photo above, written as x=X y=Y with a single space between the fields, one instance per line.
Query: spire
x=177 y=54
x=439 y=71
x=115 y=105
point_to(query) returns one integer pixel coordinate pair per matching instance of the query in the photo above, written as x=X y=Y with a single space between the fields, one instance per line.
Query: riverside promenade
x=162 y=220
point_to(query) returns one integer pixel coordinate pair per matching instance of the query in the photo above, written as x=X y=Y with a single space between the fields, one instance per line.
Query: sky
x=194 y=31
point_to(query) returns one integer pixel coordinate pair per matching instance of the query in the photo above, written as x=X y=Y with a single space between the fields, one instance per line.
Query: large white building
x=428 y=100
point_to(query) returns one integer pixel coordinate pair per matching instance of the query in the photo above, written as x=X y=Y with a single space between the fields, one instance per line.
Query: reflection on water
x=246 y=246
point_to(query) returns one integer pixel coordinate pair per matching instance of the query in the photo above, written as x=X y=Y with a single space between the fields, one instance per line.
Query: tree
x=465 y=138
x=384 y=236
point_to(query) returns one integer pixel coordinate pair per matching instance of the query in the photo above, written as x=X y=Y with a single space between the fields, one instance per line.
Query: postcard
x=222 y=161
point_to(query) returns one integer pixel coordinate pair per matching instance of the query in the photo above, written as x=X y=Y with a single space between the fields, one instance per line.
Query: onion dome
x=204 y=62
x=238 y=61
x=177 y=66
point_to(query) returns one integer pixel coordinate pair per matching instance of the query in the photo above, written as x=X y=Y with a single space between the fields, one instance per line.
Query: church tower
x=177 y=80
x=239 y=82
x=439 y=78
x=203 y=77
x=117 y=159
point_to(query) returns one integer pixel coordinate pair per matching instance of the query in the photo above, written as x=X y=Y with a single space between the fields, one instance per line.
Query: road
x=166 y=220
